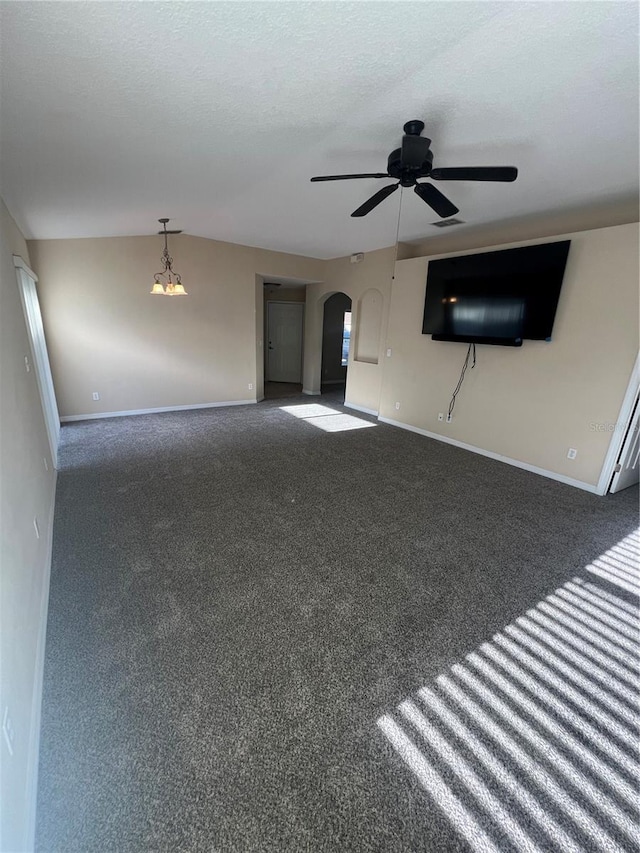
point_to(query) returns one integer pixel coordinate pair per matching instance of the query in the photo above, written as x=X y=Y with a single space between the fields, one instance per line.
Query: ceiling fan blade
x=375 y=200
x=434 y=198
x=414 y=151
x=350 y=177
x=475 y=173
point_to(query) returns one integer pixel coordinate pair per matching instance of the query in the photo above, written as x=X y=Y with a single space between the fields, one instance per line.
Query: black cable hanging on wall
x=471 y=355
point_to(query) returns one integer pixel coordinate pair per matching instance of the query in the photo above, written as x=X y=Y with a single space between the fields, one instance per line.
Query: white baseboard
x=361 y=409
x=552 y=475
x=311 y=393
x=129 y=412
x=36 y=695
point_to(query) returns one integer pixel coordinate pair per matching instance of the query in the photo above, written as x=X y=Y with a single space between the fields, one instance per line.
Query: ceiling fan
x=414 y=160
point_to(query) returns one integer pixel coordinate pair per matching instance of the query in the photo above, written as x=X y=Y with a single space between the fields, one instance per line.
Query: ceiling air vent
x=445 y=223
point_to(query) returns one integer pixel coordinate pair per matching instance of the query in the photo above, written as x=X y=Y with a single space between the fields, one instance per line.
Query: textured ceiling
x=217 y=114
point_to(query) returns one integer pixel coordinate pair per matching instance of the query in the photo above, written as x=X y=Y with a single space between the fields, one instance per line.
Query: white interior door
x=35 y=330
x=284 y=341
x=626 y=472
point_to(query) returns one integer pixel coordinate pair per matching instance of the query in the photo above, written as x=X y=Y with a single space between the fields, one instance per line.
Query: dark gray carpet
x=245 y=609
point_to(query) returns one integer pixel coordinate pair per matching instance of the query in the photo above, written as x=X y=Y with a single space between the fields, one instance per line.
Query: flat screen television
x=501 y=297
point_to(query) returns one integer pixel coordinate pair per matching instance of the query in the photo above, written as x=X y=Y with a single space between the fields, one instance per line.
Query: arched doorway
x=336 y=344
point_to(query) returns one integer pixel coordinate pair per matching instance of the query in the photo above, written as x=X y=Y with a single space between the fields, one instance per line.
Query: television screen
x=500 y=297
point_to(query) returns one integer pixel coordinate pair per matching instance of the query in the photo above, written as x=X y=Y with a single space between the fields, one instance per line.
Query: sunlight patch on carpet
x=326 y=419
x=620 y=565
x=531 y=741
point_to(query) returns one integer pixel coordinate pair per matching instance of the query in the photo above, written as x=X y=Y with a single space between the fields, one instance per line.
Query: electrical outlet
x=36 y=527
x=449 y=418
x=389 y=353
x=46 y=464
x=251 y=386
x=95 y=395
x=572 y=453
x=27 y=366
x=7 y=730
x=397 y=405
x=440 y=416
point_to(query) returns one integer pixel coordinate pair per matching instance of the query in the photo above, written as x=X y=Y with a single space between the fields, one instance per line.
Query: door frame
x=269 y=302
x=352 y=338
x=39 y=355
x=628 y=451
x=618 y=435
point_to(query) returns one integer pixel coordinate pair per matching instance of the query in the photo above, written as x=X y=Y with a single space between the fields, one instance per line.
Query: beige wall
x=536 y=227
x=26 y=491
x=106 y=333
x=533 y=403
x=341 y=276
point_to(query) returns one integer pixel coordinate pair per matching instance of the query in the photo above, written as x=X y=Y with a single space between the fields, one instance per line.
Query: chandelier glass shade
x=167 y=282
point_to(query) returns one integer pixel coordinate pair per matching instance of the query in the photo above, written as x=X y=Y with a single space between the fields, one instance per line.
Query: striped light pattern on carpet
x=531 y=743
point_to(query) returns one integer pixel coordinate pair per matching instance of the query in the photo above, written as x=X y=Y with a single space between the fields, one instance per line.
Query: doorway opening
x=626 y=472
x=621 y=468
x=35 y=331
x=284 y=327
x=336 y=346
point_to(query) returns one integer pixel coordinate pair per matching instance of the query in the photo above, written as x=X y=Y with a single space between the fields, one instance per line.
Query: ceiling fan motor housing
x=408 y=175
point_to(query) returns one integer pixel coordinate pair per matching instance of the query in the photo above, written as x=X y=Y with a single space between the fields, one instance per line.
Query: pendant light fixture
x=172 y=285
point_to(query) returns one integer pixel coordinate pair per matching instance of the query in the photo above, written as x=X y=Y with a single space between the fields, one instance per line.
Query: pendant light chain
x=395 y=259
